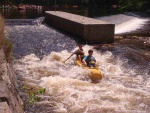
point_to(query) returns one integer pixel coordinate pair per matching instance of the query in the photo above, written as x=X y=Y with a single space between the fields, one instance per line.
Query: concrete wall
x=91 y=30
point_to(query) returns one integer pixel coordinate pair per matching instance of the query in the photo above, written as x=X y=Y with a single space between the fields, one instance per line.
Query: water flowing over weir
x=39 y=51
x=125 y=23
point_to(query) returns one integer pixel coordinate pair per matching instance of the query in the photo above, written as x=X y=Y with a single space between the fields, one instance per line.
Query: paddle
x=68 y=57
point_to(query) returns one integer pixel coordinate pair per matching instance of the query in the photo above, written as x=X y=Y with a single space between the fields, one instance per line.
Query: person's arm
x=69 y=57
x=84 y=60
x=77 y=54
x=95 y=61
x=96 y=65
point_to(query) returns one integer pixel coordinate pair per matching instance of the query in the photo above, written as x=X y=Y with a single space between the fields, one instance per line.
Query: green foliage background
x=134 y=5
x=123 y=5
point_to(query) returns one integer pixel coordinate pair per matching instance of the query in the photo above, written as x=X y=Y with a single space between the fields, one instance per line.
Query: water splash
x=69 y=89
x=38 y=21
x=123 y=88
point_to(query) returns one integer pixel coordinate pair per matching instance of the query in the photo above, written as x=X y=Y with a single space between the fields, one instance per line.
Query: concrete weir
x=91 y=30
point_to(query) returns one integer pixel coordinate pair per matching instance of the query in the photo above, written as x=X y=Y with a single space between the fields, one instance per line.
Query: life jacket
x=79 y=52
x=90 y=60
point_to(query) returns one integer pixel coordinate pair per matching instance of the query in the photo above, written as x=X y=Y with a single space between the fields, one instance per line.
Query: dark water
x=21 y=14
x=38 y=39
x=35 y=13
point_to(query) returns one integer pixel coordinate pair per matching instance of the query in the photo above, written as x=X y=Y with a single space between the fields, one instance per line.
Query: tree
x=134 y=5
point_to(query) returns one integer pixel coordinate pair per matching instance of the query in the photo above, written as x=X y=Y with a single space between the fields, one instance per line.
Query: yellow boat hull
x=95 y=72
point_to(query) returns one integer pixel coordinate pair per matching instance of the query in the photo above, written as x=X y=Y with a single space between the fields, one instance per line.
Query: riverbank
x=10 y=101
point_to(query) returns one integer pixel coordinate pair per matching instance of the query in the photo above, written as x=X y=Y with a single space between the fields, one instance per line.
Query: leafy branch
x=33 y=94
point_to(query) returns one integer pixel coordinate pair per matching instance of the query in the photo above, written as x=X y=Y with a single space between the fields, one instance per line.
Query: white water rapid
x=69 y=90
x=124 y=88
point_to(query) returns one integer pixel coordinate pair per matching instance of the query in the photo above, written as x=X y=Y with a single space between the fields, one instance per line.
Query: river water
x=39 y=52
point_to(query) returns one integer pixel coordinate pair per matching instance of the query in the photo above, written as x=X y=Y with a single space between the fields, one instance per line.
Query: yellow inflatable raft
x=95 y=72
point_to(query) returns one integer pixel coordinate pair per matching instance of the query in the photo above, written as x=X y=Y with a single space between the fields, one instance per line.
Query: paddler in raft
x=79 y=53
x=89 y=60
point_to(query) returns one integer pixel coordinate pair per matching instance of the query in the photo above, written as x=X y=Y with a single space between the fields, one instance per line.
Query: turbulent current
x=40 y=50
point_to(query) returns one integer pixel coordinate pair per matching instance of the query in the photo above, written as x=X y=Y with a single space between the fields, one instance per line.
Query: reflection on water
x=21 y=14
x=39 y=12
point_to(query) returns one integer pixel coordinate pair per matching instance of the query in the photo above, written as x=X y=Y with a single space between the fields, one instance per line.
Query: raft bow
x=95 y=72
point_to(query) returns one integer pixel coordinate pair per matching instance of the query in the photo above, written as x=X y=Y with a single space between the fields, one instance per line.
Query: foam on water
x=130 y=25
x=124 y=22
x=124 y=88
x=70 y=89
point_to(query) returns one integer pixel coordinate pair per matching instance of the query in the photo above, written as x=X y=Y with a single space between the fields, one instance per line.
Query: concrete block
x=91 y=30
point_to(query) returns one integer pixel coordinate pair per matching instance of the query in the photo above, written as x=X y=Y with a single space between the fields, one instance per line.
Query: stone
x=4 y=92
x=4 y=108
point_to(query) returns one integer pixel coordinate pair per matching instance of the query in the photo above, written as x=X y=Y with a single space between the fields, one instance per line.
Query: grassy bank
x=5 y=44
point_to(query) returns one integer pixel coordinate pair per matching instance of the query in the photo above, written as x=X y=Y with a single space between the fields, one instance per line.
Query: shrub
x=5 y=44
x=33 y=94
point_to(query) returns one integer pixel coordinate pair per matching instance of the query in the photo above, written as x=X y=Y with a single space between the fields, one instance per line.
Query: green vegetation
x=33 y=94
x=122 y=5
x=5 y=44
x=134 y=5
